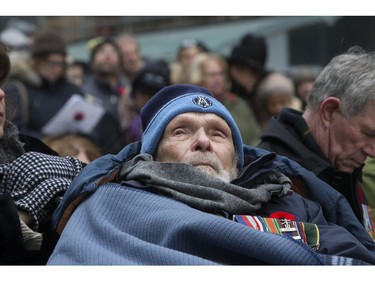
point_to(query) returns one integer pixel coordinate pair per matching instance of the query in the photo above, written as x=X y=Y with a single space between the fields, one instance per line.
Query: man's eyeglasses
x=52 y=64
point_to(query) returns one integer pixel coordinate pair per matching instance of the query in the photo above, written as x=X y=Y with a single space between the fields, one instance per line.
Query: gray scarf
x=203 y=191
x=10 y=145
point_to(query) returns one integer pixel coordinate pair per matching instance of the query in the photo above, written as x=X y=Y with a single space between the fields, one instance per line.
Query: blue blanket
x=121 y=225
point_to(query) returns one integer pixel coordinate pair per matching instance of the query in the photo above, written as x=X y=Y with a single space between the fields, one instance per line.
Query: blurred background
x=292 y=40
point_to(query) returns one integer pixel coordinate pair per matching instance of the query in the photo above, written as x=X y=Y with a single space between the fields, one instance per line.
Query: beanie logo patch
x=202 y=102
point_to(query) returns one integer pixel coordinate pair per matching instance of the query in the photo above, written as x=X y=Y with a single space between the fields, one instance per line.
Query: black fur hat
x=48 y=43
x=251 y=52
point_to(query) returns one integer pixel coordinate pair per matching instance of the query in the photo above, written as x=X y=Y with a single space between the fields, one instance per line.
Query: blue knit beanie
x=177 y=99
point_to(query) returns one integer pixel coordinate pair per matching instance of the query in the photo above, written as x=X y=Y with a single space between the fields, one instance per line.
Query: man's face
x=131 y=57
x=203 y=140
x=214 y=77
x=52 y=67
x=276 y=102
x=245 y=76
x=106 y=60
x=75 y=74
x=349 y=141
x=187 y=55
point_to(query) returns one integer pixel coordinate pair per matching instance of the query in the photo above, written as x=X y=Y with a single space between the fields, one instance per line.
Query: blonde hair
x=196 y=74
x=72 y=145
x=5 y=64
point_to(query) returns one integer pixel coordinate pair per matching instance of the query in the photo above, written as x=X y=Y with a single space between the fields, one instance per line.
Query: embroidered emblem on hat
x=202 y=102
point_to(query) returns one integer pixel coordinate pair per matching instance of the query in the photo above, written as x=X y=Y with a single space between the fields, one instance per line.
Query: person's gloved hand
x=34 y=179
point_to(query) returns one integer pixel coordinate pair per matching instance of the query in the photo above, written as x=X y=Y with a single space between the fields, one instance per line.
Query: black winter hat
x=48 y=43
x=152 y=78
x=250 y=52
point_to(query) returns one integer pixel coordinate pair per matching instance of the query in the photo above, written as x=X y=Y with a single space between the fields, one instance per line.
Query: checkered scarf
x=35 y=179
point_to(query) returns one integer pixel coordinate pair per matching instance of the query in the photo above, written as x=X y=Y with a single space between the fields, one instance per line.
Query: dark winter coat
x=12 y=251
x=42 y=102
x=109 y=98
x=280 y=136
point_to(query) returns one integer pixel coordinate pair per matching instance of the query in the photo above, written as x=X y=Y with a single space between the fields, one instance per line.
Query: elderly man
x=132 y=60
x=335 y=134
x=192 y=194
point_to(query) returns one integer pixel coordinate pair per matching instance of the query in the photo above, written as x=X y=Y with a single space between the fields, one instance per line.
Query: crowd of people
x=208 y=159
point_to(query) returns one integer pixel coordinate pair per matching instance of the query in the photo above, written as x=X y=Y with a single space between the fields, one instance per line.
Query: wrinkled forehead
x=209 y=118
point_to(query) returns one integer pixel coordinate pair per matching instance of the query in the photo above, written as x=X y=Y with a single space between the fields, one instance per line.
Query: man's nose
x=369 y=150
x=2 y=94
x=201 y=142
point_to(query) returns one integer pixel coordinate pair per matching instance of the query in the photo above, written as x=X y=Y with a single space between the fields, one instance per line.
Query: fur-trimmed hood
x=10 y=145
x=22 y=69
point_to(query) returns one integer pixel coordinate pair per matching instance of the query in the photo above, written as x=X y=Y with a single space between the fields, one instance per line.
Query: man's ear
x=328 y=108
